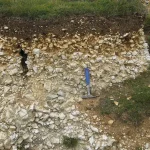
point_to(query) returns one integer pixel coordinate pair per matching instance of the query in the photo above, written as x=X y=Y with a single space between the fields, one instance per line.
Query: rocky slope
x=39 y=108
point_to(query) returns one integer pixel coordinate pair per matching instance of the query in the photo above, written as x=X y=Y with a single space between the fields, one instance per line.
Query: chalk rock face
x=39 y=109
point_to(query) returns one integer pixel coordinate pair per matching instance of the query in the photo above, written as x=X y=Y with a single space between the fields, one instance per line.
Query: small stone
x=36 y=51
x=6 y=28
x=112 y=77
x=54 y=115
x=61 y=99
x=94 y=129
x=25 y=136
x=134 y=53
x=63 y=57
x=147 y=145
x=59 y=70
x=7 y=144
x=32 y=107
x=132 y=45
x=1 y=53
x=101 y=41
x=82 y=137
x=110 y=122
x=13 y=71
x=114 y=57
x=3 y=135
x=131 y=41
x=19 y=141
x=52 y=96
x=75 y=113
x=65 y=46
x=48 y=143
x=96 y=47
x=72 y=21
x=35 y=131
x=98 y=144
x=123 y=53
x=14 y=147
x=29 y=96
x=145 y=45
x=1 y=146
x=62 y=116
x=73 y=64
x=116 y=103
x=95 y=117
x=98 y=59
x=64 y=29
x=55 y=140
x=45 y=117
x=111 y=98
x=50 y=69
x=60 y=93
x=34 y=126
x=91 y=140
x=14 y=88
x=71 y=117
x=104 y=137
x=6 y=89
x=128 y=98
x=35 y=69
x=27 y=146
x=23 y=113
x=148 y=136
x=93 y=29
x=14 y=38
x=12 y=127
x=52 y=126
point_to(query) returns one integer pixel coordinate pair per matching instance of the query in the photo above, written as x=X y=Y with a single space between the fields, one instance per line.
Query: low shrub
x=70 y=142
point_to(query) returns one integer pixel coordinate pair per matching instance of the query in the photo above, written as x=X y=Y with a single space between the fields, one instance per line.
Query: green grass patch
x=148 y=39
x=53 y=8
x=133 y=97
x=70 y=142
x=147 y=21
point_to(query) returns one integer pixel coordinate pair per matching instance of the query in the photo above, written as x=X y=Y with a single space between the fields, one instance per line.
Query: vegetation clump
x=70 y=142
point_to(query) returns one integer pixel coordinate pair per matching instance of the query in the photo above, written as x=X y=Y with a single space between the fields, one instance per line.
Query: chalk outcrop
x=37 y=110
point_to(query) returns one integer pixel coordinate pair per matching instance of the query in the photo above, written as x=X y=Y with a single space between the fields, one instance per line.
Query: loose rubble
x=38 y=109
